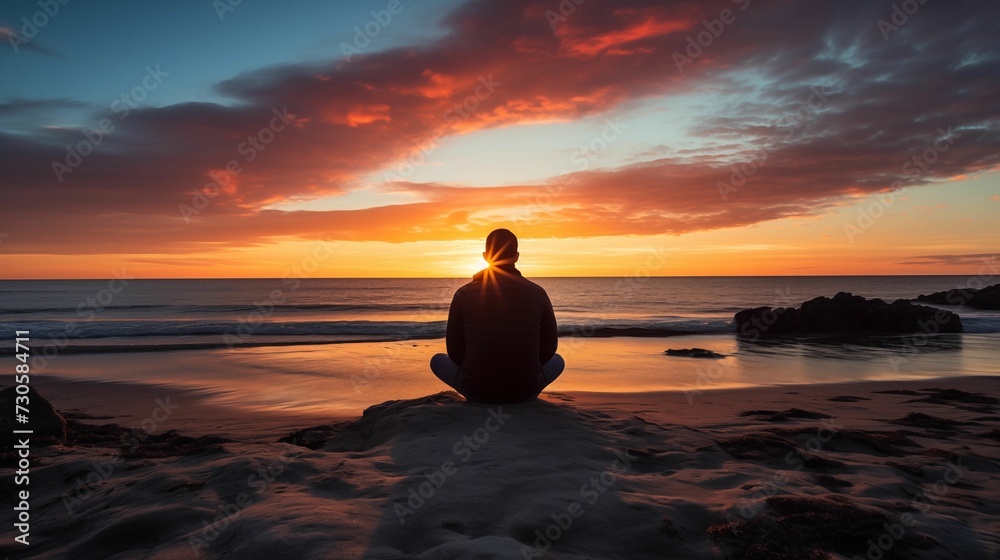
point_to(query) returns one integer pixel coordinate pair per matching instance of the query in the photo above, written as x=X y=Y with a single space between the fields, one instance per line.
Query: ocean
x=100 y=315
x=340 y=345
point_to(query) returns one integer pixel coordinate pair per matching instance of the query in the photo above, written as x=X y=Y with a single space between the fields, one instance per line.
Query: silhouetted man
x=501 y=335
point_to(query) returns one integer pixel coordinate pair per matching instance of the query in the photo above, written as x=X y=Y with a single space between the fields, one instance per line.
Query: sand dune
x=824 y=471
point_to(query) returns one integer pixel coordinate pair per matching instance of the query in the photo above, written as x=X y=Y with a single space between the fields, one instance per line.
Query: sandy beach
x=889 y=469
x=269 y=269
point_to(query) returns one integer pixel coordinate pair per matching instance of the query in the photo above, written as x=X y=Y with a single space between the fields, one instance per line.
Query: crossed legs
x=451 y=373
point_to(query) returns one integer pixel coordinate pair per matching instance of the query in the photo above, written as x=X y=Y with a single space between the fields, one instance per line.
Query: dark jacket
x=501 y=329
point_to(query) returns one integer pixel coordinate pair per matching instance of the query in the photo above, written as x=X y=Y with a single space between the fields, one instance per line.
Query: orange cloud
x=614 y=41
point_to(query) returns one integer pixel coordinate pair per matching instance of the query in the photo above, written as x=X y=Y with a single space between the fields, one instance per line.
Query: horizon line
x=463 y=277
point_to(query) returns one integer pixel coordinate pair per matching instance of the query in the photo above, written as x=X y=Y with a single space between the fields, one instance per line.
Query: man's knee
x=439 y=362
x=557 y=363
x=554 y=367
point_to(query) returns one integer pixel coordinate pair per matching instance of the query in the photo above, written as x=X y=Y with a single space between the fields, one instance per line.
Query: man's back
x=501 y=329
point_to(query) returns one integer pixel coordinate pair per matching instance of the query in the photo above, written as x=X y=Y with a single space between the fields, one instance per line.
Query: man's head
x=501 y=248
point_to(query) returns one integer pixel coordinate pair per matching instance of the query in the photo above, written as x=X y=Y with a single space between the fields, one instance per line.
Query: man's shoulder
x=534 y=286
x=472 y=286
x=475 y=286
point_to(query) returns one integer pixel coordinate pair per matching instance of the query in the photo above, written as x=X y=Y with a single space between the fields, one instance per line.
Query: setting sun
x=475 y=265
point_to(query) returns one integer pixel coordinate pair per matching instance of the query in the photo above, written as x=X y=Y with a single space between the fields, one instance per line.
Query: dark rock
x=986 y=298
x=948 y=297
x=921 y=420
x=694 y=353
x=668 y=527
x=778 y=416
x=138 y=444
x=846 y=313
x=831 y=482
x=43 y=420
x=952 y=396
x=757 y=446
x=993 y=434
x=912 y=470
x=847 y=398
x=943 y=454
x=173 y=444
x=857 y=441
x=809 y=528
x=314 y=437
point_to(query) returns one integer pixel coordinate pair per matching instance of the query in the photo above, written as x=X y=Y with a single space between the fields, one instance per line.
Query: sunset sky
x=796 y=138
